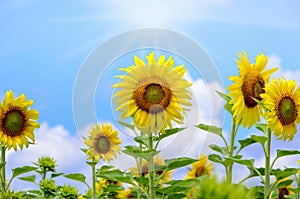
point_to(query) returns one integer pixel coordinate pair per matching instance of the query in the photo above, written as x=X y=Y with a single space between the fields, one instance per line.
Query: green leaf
x=253 y=173
x=211 y=129
x=137 y=152
x=176 y=163
x=224 y=96
x=176 y=196
x=91 y=163
x=130 y=126
x=285 y=183
x=171 y=189
x=186 y=183
x=248 y=163
x=260 y=103
x=28 y=178
x=246 y=142
x=217 y=148
x=142 y=181
x=258 y=191
x=168 y=133
x=216 y=158
x=36 y=192
x=21 y=170
x=280 y=174
x=111 y=188
x=54 y=175
x=228 y=106
x=262 y=127
x=76 y=176
x=142 y=140
x=260 y=139
x=83 y=150
x=114 y=174
x=179 y=185
x=2 y=164
x=281 y=153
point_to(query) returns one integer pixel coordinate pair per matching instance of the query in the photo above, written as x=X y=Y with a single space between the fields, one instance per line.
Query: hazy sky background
x=44 y=43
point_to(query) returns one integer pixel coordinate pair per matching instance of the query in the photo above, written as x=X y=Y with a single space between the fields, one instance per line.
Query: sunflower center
x=286 y=110
x=252 y=87
x=282 y=192
x=13 y=123
x=199 y=172
x=103 y=144
x=152 y=95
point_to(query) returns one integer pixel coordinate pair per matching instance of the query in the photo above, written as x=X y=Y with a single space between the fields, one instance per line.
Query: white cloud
x=206 y=108
x=276 y=61
x=56 y=142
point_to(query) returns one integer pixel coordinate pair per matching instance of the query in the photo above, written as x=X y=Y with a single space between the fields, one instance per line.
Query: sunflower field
x=154 y=95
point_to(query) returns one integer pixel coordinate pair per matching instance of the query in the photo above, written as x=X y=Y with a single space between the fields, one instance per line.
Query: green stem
x=44 y=175
x=94 y=180
x=231 y=149
x=151 y=170
x=140 y=170
x=3 y=178
x=267 y=171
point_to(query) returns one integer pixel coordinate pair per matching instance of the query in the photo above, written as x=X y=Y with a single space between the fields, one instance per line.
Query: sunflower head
x=285 y=191
x=46 y=163
x=153 y=94
x=103 y=142
x=17 y=122
x=283 y=103
x=49 y=187
x=68 y=191
x=248 y=85
x=200 y=168
x=126 y=194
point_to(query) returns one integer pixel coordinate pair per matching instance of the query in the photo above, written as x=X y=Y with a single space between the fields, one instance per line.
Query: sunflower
x=250 y=84
x=158 y=161
x=285 y=191
x=103 y=142
x=17 y=122
x=153 y=94
x=283 y=103
x=200 y=168
x=125 y=194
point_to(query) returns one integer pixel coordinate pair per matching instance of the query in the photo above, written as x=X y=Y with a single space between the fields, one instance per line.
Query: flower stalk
x=93 y=165
x=151 y=169
x=140 y=170
x=231 y=149
x=3 y=176
x=267 y=165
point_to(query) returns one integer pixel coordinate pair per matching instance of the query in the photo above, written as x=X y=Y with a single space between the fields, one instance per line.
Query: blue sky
x=44 y=44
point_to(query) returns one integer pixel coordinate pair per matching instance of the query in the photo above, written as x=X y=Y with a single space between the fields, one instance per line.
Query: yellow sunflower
x=200 y=168
x=103 y=142
x=285 y=191
x=125 y=194
x=158 y=161
x=283 y=103
x=153 y=94
x=17 y=122
x=250 y=84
